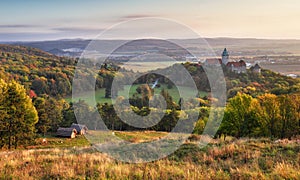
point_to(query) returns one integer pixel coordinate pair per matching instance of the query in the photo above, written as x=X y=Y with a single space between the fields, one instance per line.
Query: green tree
x=39 y=85
x=240 y=116
x=108 y=115
x=199 y=126
x=54 y=109
x=68 y=116
x=44 y=123
x=19 y=116
x=288 y=115
x=82 y=110
x=169 y=100
x=109 y=77
x=269 y=111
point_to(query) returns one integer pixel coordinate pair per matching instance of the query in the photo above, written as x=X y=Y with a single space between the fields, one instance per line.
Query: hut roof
x=65 y=132
x=255 y=67
x=79 y=127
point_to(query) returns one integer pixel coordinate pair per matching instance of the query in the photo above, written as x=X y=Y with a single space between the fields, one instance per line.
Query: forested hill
x=25 y=50
x=250 y=82
x=37 y=70
x=45 y=73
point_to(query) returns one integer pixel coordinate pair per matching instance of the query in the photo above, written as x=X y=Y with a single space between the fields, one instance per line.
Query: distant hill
x=25 y=50
x=57 y=47
x=237 y=46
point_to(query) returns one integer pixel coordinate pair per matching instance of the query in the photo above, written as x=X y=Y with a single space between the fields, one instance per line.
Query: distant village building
x=81 y=129
x=66 y=132
x=256 y=68
x=292 y=75
x=237 y=67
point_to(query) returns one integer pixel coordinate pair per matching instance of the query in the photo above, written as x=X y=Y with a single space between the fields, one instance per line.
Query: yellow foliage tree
x=18 y=115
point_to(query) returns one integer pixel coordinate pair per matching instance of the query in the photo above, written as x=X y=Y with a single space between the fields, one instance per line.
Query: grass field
x=80 y=141
x=100 y=94
x=230 y=159
x=145 y=66
x=57 y=142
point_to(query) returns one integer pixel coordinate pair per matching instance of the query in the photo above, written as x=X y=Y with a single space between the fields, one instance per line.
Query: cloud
x=18 y=26
x=77 y=29
x=135 y=16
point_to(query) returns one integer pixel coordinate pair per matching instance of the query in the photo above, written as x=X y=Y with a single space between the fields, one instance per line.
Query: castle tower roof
x=225 y=52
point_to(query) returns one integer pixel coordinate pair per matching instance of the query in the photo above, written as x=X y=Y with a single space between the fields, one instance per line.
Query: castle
x=237 y=67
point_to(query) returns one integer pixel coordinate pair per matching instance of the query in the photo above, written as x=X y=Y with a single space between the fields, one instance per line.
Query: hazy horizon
x=87 y=39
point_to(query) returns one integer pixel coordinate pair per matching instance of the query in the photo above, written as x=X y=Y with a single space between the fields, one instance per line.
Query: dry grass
x=239 y=159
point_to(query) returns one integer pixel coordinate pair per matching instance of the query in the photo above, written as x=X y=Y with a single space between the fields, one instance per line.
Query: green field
x=100 y=94
x=51 y=141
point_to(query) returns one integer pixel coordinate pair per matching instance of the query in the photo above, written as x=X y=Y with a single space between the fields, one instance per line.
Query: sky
x=35 y=20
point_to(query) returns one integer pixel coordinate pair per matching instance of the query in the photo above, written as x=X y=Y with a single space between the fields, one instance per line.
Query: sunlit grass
x=230 y=159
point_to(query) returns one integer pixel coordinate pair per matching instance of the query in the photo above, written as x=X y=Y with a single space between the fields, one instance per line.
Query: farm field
x=145 y=66
x=100 y=94
x=230 y=159
x=283 y=67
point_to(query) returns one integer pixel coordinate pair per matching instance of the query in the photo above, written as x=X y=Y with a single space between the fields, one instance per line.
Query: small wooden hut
x=80 y=128
x=66 y=132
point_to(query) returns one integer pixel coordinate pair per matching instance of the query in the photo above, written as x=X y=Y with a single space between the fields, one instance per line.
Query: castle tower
x=225 y=57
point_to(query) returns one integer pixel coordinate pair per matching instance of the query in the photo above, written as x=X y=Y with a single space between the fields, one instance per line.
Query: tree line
x=266 y=115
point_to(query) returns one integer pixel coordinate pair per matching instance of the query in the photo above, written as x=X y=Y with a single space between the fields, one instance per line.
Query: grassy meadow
x=100 y=94
x=80 y=141
x=230 y=159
